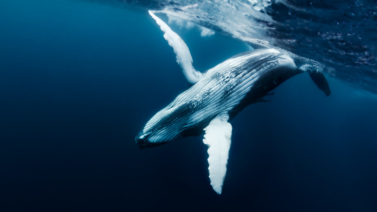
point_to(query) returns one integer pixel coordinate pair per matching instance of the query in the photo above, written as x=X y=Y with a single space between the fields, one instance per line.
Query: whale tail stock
x=307 y=65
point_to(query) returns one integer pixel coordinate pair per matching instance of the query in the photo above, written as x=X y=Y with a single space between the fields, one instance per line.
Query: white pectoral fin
x=181 y=50
x=218 y=138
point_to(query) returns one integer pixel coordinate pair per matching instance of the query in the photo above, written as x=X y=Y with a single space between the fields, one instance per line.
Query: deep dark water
x=79 y=80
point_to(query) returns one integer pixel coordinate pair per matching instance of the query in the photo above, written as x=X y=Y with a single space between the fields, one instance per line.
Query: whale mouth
x=142 y=141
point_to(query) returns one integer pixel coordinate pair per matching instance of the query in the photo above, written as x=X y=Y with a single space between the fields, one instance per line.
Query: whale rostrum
x=218 y=95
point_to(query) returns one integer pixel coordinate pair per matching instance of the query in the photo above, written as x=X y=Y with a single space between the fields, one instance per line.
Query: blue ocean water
x=78 y=80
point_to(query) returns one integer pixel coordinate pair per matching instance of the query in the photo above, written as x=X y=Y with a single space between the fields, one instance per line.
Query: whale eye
x=279 y=78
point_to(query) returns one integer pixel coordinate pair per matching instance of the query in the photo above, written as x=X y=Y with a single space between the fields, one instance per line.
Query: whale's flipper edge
x=218 y=139
x=320 y=81
x=181 y=50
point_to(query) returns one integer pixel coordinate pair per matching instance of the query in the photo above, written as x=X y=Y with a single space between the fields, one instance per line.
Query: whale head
x=172 y=122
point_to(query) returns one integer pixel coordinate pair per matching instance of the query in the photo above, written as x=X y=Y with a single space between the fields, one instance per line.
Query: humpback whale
x=218 y=95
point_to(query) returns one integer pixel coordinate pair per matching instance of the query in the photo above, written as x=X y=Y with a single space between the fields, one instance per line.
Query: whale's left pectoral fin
x=320 y=81
x=218 y=139
x=181 y=50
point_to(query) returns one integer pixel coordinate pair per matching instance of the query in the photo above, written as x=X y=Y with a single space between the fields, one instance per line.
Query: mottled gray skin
x=227 y=88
